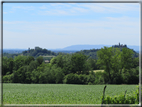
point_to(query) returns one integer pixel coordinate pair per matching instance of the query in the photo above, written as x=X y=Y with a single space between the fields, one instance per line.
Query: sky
x=58 y=25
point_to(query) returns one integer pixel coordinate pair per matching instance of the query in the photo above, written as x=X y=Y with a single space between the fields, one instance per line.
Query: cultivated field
x=60 y=93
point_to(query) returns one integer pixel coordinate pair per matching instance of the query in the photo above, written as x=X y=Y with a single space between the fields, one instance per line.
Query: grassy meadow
x=60 y=93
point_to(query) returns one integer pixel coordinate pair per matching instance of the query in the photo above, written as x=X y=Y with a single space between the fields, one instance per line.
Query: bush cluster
x=79 y=79
x=123 y=99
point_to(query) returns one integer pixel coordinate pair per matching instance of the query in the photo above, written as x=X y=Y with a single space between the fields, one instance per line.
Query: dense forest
x=121 y=66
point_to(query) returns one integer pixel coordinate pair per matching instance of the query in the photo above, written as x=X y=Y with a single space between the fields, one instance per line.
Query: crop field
x=60 y=93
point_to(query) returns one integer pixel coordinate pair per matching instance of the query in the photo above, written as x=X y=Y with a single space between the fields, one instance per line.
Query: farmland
x=60 y=93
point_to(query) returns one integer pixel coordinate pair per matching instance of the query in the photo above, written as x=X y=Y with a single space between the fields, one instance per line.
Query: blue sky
x=58 y=25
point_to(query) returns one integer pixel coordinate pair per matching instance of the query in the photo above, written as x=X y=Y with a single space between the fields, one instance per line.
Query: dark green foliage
x=119 y=79
x=83 y=79
x=7 y=65
x=79 y=64
x=19 y=61
x=29 y=59
x=58 y=60
x=8 y=78
x=91 y=78
x=38 y=74
x=120 y=67
x=71 y=79
x=79 y=79
x=9 y=55
x=39 y=60
x=20 y=75
x=92 y=53
x=135 y=62
x=4 y=66
x=93 y=64
x=100 y=78
x=132 y=76
x=59 y=75
x=113 y=61
x=126 y=58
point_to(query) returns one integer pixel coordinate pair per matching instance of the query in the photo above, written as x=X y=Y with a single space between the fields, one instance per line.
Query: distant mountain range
x=72 y=48
x=88 y=47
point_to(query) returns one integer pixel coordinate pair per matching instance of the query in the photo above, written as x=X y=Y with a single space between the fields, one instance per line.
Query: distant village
x=119 y=45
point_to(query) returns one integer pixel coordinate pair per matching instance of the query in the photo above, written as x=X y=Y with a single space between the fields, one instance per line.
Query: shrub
x=76 y=79
x=71 y=79
x=121 y=99
x=82 y=79
x=8 y=78
x=99 y=78
x=91 y=79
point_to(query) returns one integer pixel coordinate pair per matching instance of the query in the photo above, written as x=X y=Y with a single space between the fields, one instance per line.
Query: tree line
x=120 y=67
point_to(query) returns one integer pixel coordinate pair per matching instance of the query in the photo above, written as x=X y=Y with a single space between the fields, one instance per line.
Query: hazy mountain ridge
x=88 y=47
x=72 y=48
x=84 y=47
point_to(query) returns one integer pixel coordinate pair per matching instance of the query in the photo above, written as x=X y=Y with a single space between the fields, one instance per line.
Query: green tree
x=67 y=64
x=37 y=75
x=104 y=59
x=29 y=59
x=33 y=65
x=5 y=66
x=135 y=62
x=113 y=61
x=20 y=75
x=19 y=61
x=39 y=60
x=126 y=59
x=78 y=63
x=10 y=65
x=58 y=60
x=92 y=63
x=62 y=61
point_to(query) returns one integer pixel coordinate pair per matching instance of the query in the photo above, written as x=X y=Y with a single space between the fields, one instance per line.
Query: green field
x=60 y=93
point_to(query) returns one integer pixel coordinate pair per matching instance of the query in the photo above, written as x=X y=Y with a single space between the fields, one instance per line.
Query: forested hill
x=38 y=52
x=92 y=53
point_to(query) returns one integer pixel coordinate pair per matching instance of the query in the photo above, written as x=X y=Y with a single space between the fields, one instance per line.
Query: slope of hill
x=92 y=53
x=135 y=48
x=38 y=52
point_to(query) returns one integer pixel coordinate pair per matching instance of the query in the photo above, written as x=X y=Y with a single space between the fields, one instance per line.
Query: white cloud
x=58 y=34
x=23 y=7
x=79 y=8
x=111 y=7
x=53 y=12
